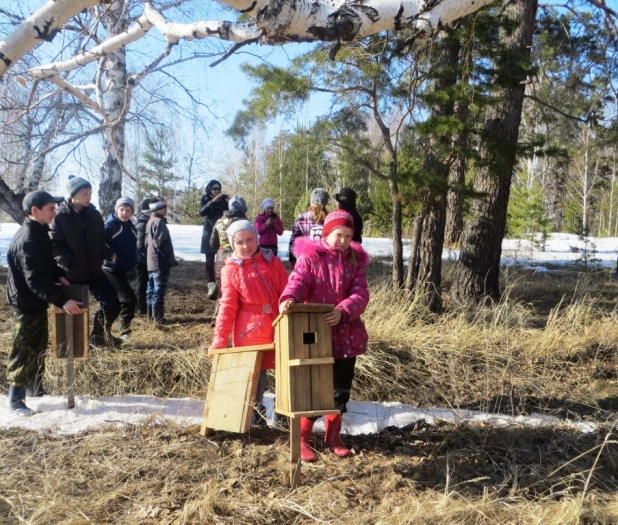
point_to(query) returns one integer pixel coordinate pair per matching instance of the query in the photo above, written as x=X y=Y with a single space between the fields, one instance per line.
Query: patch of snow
x=362 y=417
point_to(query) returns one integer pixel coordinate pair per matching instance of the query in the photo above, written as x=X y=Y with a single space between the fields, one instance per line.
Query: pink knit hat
x=335 y=219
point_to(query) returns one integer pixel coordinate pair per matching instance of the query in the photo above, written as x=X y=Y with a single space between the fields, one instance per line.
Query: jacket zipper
x=247 y=332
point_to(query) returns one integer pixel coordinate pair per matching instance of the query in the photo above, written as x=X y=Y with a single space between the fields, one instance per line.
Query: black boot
x=17 y=403
x=149 y=313
x=142 y=307
x=158 y=314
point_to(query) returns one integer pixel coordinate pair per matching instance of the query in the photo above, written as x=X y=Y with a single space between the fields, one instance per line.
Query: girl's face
x=269 y=211
x=340 y=238
x=245 y=243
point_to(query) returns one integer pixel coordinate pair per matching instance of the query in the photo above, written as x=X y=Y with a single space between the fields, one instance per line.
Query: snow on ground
x=558 y=248
x=361 y=418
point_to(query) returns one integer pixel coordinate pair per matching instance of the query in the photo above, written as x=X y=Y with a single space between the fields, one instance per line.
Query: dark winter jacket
x=358 y=221
x=159 y=250
x=120 y=241
x=78 y=239
x=33 y=272
x=212 y=212
x=218 y=237
x=139 y=221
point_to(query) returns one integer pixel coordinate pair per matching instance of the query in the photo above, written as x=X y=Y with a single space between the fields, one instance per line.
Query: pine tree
x=159 y=161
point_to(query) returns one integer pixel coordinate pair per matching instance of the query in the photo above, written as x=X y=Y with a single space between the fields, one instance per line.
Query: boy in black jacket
x=78 y=238
x=159 y=258
x=31 y=286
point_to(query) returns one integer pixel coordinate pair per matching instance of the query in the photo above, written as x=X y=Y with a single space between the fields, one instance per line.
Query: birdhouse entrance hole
x=309 y=338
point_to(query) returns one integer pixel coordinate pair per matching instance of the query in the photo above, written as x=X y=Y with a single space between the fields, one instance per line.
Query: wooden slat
x=285 y=368
x=231 y=392
x=295 y=466
x=241 y=349
x=308 y=308
x=322 y=389
x=311 y=361
x=70 y=346
x=308 y=413
x=300 y=376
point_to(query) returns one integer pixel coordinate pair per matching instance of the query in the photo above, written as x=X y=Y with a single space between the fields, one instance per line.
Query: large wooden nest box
x=304 y=361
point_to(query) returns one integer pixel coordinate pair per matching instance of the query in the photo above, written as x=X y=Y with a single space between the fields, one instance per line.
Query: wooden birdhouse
x=304 y=361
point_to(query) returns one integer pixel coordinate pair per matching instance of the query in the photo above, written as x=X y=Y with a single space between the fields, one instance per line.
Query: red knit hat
x=335 y=219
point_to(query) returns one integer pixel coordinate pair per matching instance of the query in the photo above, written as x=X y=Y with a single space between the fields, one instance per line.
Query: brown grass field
x=550 y=346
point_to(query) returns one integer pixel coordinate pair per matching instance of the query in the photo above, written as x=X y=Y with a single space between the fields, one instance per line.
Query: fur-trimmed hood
x=309 y=248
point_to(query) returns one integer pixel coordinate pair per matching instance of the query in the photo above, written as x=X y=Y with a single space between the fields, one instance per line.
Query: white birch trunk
x=112 y=93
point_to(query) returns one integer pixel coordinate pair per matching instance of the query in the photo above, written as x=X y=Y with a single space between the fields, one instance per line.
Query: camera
x=224 y=196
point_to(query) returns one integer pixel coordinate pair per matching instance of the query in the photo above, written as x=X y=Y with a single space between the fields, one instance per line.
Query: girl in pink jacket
x=252 y=280
x=269 y=226
x=332 y=271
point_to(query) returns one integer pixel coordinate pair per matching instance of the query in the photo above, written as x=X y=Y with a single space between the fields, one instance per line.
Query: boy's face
x=245 y=243
x=269 y=210
x=44 y=215
x=83 y=197
x=124 y=213
x=340 y=238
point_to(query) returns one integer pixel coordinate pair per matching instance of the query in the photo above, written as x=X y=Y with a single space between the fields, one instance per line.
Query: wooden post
x=295 y=466
x=70 y=346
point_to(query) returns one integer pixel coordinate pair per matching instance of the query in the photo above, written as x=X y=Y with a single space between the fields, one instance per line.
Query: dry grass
x=549 y=346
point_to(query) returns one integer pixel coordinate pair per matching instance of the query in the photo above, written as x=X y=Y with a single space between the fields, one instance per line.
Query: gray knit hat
x=238 y=226
x=237 y=203
x=268 y=203
x=159 y=205
x=125 y=201
x=76 y=184
x=319 y=197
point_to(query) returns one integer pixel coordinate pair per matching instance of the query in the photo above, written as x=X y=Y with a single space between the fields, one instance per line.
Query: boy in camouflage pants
x=31 y=286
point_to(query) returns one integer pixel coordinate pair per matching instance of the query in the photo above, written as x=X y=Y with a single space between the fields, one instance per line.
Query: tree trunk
x=10 y=202
x=478 y=268
x=397 y=215
x=415 y=252
x=429 y=280
x=112 y=92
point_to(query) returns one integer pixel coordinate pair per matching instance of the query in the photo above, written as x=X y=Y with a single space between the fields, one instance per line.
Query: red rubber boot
x=333 y=427
x=306 y=452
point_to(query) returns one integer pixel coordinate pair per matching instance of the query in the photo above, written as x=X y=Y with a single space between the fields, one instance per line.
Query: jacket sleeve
x=109 y=234
x=205 y=205
x=214 y=239
x=228 y=308
x=353 y=306
x=260 y=224
x=62 y=253
x=162 y=241
x=279 y=226
x=299 y=282
x=282 y=275
x=31 y=264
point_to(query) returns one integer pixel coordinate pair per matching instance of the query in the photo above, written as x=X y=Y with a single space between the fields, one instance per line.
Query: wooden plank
x=295 y=465
x=322 y=389
x=231 y=392
x=70 y=346
x=308 y=308
x=300 y=376
x=312 y=361
x=241 y=349
x=285 y=369
x=308 y=413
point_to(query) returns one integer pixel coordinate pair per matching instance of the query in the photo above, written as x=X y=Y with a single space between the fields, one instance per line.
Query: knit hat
x=319 y=197
x=346 y=196
x=237 y=203
x=159 y=205
x=125 y=201
x=335 y=219
x=145 y=206
x=267 y=203
x=238 y=226
x=76 y=184
x=211 y=183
